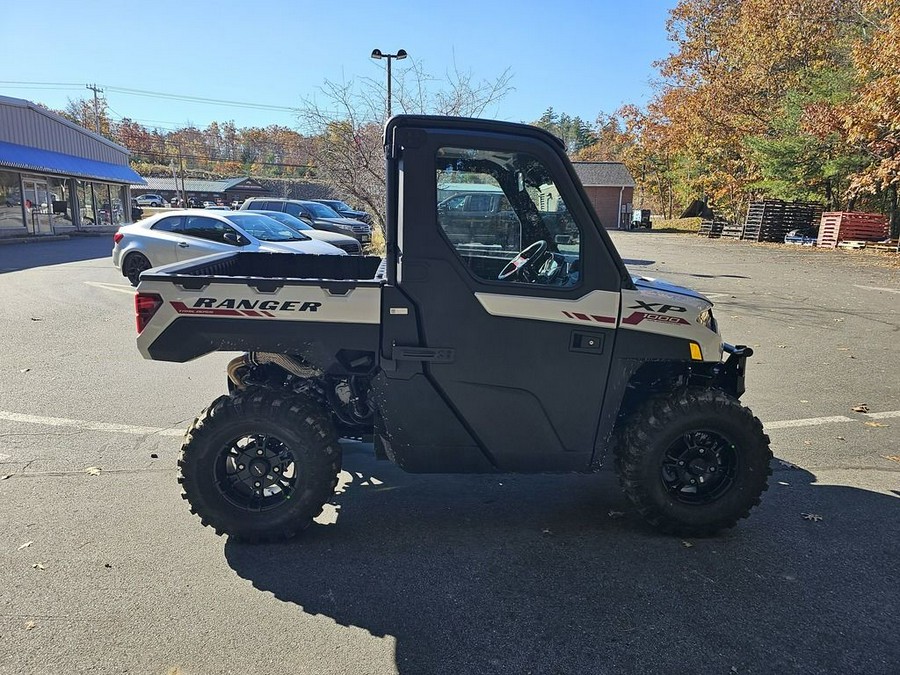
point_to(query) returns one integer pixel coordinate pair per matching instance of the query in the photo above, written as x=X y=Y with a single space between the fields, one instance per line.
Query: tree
x=574 y=131
x=736 y=64
x=872 y=118
x=347 y=118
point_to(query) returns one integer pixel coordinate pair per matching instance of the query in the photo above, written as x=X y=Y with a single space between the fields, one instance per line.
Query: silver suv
x=151 y=200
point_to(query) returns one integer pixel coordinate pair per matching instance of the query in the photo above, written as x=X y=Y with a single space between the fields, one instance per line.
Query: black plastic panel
x=284 y=266
x=187 y=338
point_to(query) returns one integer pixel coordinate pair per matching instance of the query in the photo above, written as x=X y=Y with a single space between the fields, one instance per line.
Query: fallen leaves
x=25 y=545
x=30 y=625
x=687 y=544
x=615 y=514
x=861 y=408
x=893 y=458
x=93 y=470
x=38 y=566
x=814 y=517
x=876 y=424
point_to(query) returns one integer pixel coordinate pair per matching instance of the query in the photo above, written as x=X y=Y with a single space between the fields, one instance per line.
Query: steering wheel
x=524 y=263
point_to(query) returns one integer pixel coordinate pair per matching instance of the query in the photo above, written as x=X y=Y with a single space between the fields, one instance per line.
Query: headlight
x=707 y=319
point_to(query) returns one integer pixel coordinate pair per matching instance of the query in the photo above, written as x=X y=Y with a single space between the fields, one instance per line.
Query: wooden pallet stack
x=772 y=219
x=732 y=230
x=711 y=228
x=838 y=226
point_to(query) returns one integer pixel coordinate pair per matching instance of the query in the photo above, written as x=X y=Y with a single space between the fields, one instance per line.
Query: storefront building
x=56 y=176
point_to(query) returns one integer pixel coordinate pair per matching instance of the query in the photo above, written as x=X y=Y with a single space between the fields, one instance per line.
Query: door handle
x=183 y=244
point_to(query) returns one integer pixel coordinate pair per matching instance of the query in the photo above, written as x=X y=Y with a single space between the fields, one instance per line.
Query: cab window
x=505 y=218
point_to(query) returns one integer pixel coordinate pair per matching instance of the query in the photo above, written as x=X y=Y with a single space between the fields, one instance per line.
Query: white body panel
x=292 y=302
x=599 y=308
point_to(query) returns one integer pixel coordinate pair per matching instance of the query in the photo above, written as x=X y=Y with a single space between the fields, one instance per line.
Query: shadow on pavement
x=17 y=257
x=517 y=574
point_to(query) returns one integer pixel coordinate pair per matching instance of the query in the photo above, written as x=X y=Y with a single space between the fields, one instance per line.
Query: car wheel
x=134 y=264
x=154 y=204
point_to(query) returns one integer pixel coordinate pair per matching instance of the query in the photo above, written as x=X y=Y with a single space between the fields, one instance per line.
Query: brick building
x=610 y=189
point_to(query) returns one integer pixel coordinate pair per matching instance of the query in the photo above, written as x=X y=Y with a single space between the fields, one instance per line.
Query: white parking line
x=86 y=425
x=878 y=288
x=809 y=422
x=108 y=427
x=884 y=415
x=111 y=287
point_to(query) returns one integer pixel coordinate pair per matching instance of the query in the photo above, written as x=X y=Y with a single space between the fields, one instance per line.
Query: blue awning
x=45 y=161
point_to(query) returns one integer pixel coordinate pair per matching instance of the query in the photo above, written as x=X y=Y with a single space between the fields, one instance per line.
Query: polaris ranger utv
x=457 y=354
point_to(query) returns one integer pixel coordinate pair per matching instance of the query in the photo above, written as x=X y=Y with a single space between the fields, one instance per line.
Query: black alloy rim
x=256 y=472
x=699 y=467
x=135 y=265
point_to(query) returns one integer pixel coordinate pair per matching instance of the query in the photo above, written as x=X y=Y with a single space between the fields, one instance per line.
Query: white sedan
x=182 y=235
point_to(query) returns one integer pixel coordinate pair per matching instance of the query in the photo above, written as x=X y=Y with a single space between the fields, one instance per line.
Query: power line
x=157 y=153
x=152 y=94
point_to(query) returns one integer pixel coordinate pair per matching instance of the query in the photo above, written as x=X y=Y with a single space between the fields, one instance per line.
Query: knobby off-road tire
x=694 y=462
x=259 y=465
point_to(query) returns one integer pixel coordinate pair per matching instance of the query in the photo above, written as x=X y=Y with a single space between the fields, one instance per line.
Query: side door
x=162 y=244
x=525 y=336
x=203 y=236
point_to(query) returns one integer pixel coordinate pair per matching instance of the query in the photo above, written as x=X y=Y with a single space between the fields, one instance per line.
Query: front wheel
x=693 y=462
x=259 y=465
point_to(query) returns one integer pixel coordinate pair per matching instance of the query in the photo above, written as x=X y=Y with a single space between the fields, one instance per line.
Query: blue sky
x=582 y=58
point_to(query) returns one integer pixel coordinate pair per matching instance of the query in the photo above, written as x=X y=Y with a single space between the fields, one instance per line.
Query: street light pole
x=377 y=54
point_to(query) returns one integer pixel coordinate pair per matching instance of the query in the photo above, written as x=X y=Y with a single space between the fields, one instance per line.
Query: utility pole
x=94 y=88
x=181 y=171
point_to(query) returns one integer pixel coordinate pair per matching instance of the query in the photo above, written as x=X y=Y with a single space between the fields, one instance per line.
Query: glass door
x=38 y=206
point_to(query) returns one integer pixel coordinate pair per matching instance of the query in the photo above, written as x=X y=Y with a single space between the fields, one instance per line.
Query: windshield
x=321 y=211
x=264 y=228
x=287 y=219
x=338 y=205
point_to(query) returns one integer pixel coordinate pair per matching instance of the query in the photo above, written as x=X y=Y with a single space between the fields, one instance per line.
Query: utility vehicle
x=457 y=354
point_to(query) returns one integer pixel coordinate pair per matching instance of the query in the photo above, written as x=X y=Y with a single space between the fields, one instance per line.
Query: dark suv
x=344 y=209
x=318 y=215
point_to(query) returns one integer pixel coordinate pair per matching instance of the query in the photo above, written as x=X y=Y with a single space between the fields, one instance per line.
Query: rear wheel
x=134 y=264
x=693 y=463
x=258 y=465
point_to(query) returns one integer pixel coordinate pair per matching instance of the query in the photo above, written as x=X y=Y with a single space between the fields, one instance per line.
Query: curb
x=5 y=241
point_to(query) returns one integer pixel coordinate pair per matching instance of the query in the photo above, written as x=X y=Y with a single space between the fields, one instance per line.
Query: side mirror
x=233 y=238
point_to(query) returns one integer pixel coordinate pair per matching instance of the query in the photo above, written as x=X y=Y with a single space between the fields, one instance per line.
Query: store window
x=61 y=204
x=11 y=217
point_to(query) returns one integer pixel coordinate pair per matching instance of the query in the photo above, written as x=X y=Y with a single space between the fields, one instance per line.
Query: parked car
x=342 y=241
x=345 y=210
x=151 y=200
x=181 y=235
x=216 y=207
x=322 y=217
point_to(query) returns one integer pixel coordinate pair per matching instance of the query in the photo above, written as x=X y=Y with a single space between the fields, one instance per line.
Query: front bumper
x=730 y=374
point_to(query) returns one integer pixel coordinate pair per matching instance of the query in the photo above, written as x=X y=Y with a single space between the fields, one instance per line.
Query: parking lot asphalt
x=106 y=571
